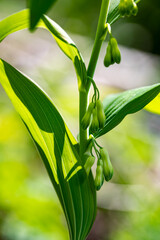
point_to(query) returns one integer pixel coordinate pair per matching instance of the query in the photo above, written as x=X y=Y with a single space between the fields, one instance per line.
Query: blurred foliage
x=149 y=18
x=143 y=225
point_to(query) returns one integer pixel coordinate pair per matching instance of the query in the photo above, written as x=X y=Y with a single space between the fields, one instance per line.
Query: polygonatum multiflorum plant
x=67 y=160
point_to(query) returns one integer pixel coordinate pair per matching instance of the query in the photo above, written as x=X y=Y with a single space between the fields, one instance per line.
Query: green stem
x=83 y=96
x=98 y=40
x=83 y=134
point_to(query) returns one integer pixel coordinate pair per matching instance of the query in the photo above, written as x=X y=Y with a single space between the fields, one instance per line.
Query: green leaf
x=117 y=106
x=20 y=21
x=37 y=9
x=154 y=105
x=113 y=14
x=56 y=145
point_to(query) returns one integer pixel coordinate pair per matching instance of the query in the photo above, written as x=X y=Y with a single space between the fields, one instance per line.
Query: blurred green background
x=128 y=206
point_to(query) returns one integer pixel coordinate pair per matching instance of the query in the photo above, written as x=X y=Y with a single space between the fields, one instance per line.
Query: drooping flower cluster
x=94 y=116
x=128 y=8
x=95 y=119
x=113 y=54
x=104 y=168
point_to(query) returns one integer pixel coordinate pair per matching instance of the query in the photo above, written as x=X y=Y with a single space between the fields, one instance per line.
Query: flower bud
x=107 y=166
x=116 y=55
x=95 y=122
x=134 y=9
x=128 y=8
x=122 y=8
x=87 y=116
x=108 y=57
x=100 y=113
x=89 y=163
x=99 y=179
x=129 y=5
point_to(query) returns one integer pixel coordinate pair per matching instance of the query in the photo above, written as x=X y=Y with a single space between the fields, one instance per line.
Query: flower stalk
x=83 y=95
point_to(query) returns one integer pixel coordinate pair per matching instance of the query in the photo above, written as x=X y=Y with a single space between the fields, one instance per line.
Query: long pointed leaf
x=117 y=106
x=37 y=9
x=56 y=145
x=20 y=21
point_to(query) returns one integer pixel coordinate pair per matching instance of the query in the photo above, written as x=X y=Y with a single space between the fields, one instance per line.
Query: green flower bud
x=107 y=166
x=95 y=123
x=108 y=57
x=128 y=8
x=116 y=55
x=87 y=116
x=122 y=8
x=100 y=113
x=134 y=9
x=129 y=5
x=113 y=43
x=89 y=163
x=99 y=179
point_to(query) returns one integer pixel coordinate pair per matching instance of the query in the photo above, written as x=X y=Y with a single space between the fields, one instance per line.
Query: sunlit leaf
x=56 y=145
x=117 y=106
x=20 y=21
x=37 y=9
x=113 y=14
x=154 y=105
